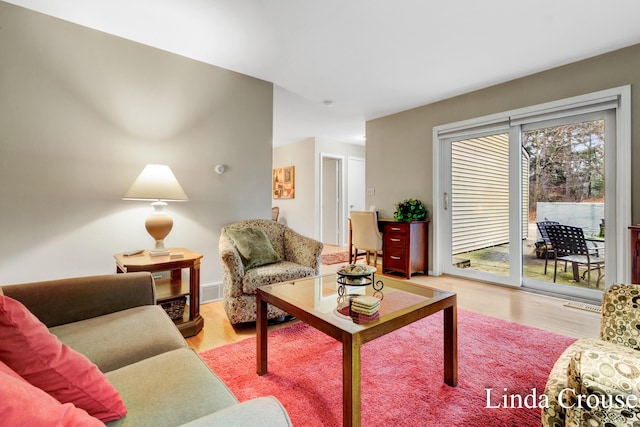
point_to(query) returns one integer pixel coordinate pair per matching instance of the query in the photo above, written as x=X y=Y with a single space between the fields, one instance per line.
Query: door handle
x=446 y=201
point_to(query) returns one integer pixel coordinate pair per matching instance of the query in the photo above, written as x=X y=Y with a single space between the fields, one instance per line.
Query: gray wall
x=82 y=112
x=399 y=147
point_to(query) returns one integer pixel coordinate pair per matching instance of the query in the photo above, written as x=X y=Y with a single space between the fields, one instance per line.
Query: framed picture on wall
x=284 y=183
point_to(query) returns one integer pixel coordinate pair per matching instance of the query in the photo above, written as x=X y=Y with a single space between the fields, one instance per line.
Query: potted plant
x=410 y=210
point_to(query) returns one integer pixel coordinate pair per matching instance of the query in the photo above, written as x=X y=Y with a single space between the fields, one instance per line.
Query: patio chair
x=570 y=245
x=548 y=247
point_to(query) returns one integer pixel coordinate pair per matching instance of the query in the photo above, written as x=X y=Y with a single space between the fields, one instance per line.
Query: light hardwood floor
x=520 y=306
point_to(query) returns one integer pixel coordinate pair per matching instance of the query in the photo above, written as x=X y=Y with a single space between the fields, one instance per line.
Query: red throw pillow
x=41 y=359
x=26 y=405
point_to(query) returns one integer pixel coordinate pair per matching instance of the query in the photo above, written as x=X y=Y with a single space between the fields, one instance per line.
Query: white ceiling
x=370 y=57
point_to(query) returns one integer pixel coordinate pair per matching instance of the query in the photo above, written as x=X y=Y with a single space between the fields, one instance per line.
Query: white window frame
x=618 y=98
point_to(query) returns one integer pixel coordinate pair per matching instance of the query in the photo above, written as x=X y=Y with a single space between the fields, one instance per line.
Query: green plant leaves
x=410 y=210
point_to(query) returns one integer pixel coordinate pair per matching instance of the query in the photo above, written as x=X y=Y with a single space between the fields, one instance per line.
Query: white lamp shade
x=156 y=182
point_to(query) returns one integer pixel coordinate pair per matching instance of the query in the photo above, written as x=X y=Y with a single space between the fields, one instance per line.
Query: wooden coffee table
x=315 y=301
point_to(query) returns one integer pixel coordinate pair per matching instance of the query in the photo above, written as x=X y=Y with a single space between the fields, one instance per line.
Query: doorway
x=331 y=200
x=356 y=185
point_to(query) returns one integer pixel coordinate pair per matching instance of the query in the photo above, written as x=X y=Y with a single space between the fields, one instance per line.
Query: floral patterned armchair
x=596 y=382
x=296 y=256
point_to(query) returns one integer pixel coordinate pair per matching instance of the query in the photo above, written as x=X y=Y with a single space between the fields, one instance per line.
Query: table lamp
x=157 y=183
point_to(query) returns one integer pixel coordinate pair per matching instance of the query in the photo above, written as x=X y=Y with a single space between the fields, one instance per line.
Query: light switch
x=371 y=191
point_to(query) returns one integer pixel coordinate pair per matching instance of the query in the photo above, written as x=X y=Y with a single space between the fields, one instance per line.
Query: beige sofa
x=295 y=257
x=115 y=322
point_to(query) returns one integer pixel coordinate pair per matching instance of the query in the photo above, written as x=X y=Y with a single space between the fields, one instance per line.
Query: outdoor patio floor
x=495 y=260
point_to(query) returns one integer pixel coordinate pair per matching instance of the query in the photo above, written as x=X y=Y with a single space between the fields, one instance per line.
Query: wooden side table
x=174 y=287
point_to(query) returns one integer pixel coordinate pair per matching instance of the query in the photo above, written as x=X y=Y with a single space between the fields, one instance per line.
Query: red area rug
x=402 y=373
x=335 y=258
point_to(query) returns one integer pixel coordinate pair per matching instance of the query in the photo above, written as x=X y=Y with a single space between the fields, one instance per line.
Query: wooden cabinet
x=635 y=253
x=172 y=287
x=405 y=247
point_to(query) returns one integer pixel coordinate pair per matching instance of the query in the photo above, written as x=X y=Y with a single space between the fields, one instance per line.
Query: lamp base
x=158 y=225
x=159 y=252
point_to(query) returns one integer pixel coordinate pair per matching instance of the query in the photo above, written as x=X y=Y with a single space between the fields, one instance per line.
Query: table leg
x=351 y=383
x=261 y=339
x=451 y=346
x=194 y=288
x=351 y=260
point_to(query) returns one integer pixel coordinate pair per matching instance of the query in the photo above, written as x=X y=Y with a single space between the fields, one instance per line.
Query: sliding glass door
x=501 y=182
x=480 y=203
x=479 y=206
x=568 y=185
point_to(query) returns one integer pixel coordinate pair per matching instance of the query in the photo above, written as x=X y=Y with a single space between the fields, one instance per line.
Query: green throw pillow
x=254 y=246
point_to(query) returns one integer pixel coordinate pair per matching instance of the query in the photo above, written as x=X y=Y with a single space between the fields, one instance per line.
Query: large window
x=497 y=178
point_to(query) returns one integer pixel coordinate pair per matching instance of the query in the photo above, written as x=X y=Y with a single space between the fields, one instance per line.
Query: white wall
x=82 y=112
x=298 y=213
x=303 y=212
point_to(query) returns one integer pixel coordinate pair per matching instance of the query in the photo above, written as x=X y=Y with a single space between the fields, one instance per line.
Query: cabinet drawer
x=395 y=258
x=395 y=239
x=396 y=228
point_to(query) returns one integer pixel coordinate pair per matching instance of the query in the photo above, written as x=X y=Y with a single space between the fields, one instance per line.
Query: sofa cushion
x=121 y=338
x=40 y=358
x=554 y=414
x=169 y=389
x=274 y=231
x=254 y=246
x=274 y=273
x=26 y=405
x=620 y=321
x=62 y=301
x=604 y=370
x=261 y=411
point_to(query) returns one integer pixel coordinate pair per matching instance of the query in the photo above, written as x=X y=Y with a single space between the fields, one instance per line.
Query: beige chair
x=365 y=234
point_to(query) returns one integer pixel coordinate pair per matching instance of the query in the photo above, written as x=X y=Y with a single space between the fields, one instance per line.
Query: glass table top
x=326 y=299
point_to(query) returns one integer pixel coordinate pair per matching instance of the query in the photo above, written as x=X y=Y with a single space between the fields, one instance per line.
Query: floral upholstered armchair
x=260 y=252
x=596 y=382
